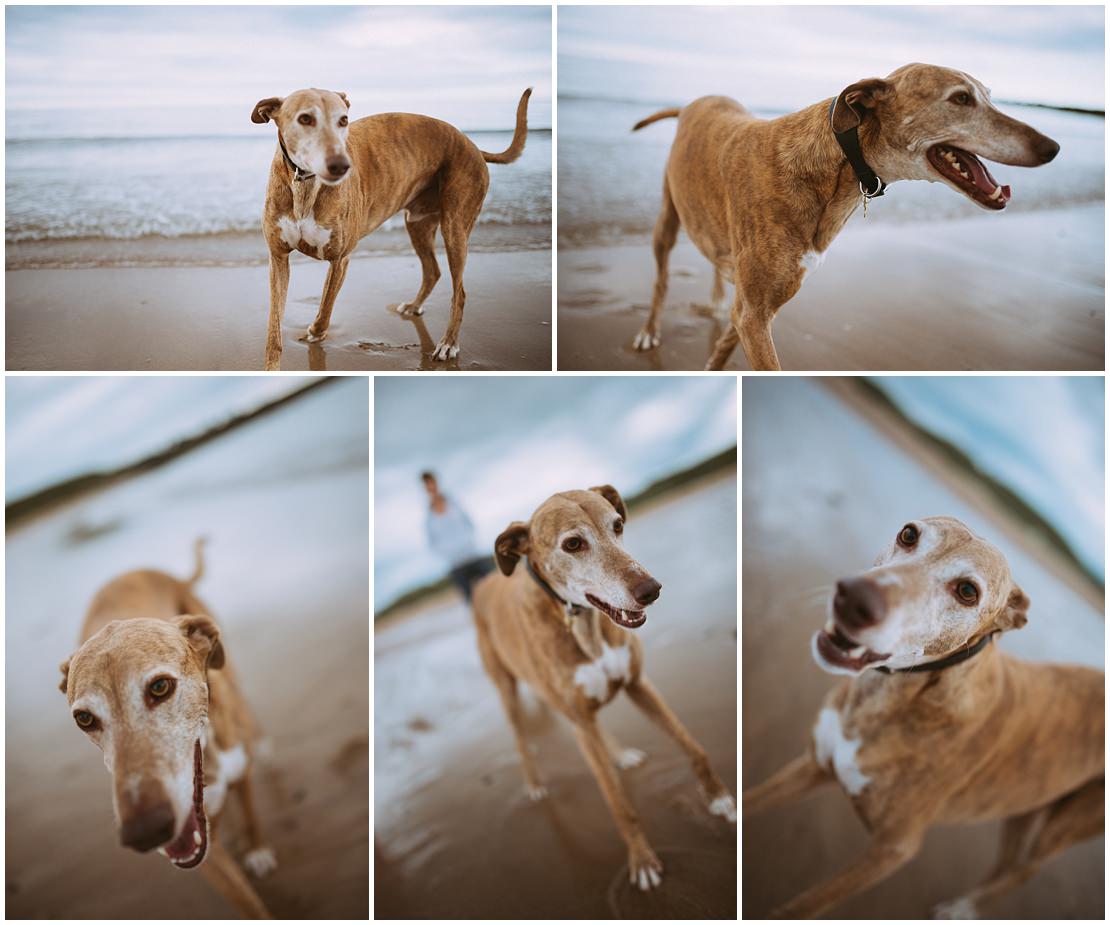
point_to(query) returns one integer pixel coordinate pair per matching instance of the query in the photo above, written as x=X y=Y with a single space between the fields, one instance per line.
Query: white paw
x=629 y=758
x=407 y=308
x=962 y=908
x=725 y=806
x=314 y=338
x=645 y=340
x=445 y=351
x=647 y=876
x=537 y=793
x=260 y=862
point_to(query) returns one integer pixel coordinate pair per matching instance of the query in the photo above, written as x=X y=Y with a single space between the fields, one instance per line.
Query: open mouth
x=965 y=171
x=629 y=619
x=838 y=650
x=189 y=848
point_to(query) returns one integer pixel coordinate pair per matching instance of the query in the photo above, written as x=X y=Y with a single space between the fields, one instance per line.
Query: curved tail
x=198 y=569
x=662 y=114
x=514 y=150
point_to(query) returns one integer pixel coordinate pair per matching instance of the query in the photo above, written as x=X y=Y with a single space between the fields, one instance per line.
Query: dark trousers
x=465 y=575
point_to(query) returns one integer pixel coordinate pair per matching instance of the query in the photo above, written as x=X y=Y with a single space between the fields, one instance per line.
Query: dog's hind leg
x=663 y=241
x=646 y=697
x=456 y=233
x=259 y=859
x=337 y=272
x=422 y=233
x=624 y=758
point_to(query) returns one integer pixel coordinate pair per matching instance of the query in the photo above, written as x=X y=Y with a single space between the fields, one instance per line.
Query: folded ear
x=854 y=102
x=1015 y=614
x=265 y=109
x=510 y=546
x=343 y=96
x=204 y=636
x=610 y=494
x=64 y=666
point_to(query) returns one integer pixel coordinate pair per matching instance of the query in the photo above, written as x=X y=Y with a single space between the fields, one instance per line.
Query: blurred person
x=451 y=534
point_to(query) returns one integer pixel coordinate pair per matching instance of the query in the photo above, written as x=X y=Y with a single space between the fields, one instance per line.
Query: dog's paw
x=408 y=308
x=260 y=862
x=645 y=870
x=311 y=338
x=628 y=758
x=445 y=351
x=724 y=806
x=645 y=340
x=961 y=908
x=535 y=792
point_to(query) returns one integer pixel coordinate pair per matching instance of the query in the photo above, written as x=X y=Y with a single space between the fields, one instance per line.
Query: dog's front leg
x=337 y=272
x=279 y=289
x=881 y=859
x=227 y=877
x=644 y=868
x=787 y=784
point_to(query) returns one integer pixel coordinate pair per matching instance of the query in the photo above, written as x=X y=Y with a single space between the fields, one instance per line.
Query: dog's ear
x=610 y=494
x=343 y=96
x=1015 y=613
x=265 y=109
x=64 y=667
x=510 y=546
x=854 y=101
x=203 y=636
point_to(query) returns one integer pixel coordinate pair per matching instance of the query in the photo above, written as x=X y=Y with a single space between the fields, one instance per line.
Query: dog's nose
x=148 y=829
x=337 y=166
x=647 y=591
x=859 y=603
x=1046 y=149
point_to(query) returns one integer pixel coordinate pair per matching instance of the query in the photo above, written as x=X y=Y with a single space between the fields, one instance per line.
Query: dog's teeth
x=858 y=651
x=830 y=627
x=997 y=192
x=197 y=838
x=162 y=851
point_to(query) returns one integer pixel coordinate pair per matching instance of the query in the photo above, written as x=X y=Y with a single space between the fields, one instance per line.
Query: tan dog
x=561 y=625
x=937 y=726
x=332 y=183
x=152 y=688
x=763 y=200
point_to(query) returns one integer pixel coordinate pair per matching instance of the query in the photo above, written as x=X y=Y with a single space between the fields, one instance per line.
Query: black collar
x=571 y=609
x=947 y=662
x=298 y=174
x=849 y=144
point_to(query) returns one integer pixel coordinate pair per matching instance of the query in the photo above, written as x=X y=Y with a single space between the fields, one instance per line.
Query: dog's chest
x=305 y=235
x=839 y=753
x=222 y=769
x=601 y=678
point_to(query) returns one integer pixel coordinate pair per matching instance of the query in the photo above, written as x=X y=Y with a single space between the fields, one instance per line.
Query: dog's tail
x=514 y=150
x=662 y=114
x=198 y=568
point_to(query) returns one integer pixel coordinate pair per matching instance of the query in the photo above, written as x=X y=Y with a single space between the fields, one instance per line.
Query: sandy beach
x=804 y=527
x=1011 y=292
x=202 y=304
x=287 y=581
x=455 y=837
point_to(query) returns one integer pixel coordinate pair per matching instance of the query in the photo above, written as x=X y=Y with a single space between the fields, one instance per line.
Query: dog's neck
x=583 y=623
x=304 y=195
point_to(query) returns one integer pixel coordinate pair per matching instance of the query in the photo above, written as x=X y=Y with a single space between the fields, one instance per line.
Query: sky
x=186 y=70
x=790 y=56
x=61 y=427
x=501 y=446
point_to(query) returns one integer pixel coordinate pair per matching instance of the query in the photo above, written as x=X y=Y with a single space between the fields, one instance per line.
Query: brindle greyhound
x=152 y=687
x=763 y=200
x=543 y=625
x=936 y=726
x=332 y=183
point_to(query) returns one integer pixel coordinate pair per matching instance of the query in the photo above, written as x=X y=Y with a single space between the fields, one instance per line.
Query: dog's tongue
x=981 y=177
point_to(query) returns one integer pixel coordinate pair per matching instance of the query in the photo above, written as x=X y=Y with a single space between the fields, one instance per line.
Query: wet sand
x=455 y=837
x=214 y=317
x=1020 y=291
x=804 y=527
x=287 y=581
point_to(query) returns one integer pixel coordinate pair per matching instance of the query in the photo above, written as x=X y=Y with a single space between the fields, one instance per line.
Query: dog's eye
x=84 y=719
x=960 y=99
x=618 y=527
x=160 y=688
x=908 y=536
x=967 y=592
x=342 y=121
x=574 y=544
x=305 y=119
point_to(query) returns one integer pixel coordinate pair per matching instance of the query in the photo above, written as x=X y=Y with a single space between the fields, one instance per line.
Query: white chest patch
x=838 y=753
x=811 y=260
x=306 y=229
x=228 y=768
x=594 y=677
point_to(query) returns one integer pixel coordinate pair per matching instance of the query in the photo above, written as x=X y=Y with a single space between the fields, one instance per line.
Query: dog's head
x=139 y=690
x=924 y=122
x=938 y=589
x=312 y=124
x=575 y=542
